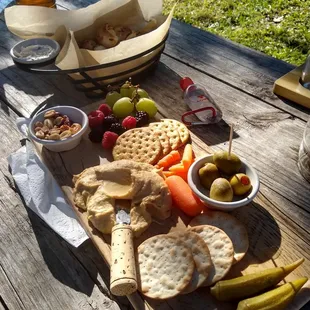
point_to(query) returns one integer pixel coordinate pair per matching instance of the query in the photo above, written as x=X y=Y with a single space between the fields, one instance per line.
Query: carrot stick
x=183 y=197
x=170 y=159
x=182 y=174
x=187 y=157
x=168 y=173
x=177 y=167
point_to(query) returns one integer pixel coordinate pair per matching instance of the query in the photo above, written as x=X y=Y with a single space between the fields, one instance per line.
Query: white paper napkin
x=43 y=195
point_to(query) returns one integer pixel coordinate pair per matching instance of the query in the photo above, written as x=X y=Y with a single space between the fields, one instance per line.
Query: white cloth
x=43 y=195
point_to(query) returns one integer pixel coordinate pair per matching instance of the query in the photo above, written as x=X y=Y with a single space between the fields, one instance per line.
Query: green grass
x=280 y=28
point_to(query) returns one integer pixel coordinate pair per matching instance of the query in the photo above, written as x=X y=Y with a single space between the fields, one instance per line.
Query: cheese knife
x=123 y=268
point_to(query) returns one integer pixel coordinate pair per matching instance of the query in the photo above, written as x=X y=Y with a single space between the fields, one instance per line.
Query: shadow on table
x=28 y=92
x=293 y=104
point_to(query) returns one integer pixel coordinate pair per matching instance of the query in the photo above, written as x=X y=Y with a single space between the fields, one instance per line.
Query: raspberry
x=95 y=118
x=129 y=122
x=142 y=118
x=109 y=139
x=117 y=128
x=96 y=134
x=105 y=109
x=108 y=121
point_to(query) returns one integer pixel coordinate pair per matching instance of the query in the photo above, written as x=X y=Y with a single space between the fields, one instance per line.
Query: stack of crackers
x=150 y=144
x=180 y=262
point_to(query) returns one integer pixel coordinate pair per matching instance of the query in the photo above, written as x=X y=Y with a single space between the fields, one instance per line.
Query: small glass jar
x=304 y=154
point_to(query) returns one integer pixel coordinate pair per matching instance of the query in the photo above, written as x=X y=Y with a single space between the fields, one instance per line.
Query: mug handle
x=22 y=124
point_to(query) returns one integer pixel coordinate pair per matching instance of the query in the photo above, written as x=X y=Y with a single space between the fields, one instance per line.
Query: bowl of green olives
x=223 y=181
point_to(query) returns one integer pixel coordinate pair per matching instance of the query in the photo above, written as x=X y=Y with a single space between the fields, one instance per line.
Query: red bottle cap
x=185 y=82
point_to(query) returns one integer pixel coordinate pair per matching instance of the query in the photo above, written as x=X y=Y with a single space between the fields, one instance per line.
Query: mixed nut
x=55 y=126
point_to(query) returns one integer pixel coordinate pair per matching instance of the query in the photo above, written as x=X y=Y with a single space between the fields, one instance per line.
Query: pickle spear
x=276 y=299
x=251 y=284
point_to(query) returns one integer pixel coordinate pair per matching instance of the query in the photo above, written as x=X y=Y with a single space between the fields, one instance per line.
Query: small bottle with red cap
x=200 y=102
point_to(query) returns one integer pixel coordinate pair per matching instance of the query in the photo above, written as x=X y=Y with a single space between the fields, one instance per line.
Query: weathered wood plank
x=38 y=269
x=8 y=297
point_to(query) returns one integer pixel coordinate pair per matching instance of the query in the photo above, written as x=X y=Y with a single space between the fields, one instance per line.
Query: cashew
x=59 y=120
x=49 y=123
x=54 y=136
x=49 y=114
x=75 y=127
x=65 y=134
x=54 y=130
x=45 y=129
x=40 y=134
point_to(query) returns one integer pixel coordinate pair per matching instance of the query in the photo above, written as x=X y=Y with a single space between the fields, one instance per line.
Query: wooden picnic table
x=39 y=270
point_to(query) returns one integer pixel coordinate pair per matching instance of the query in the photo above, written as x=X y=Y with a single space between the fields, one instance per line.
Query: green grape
x=123 y=107
x=137 y=94
x=147 y=105
x=141 y=93
x=112 y=97
x=127 y=90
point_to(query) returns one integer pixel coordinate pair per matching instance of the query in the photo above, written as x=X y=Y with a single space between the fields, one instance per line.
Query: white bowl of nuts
x=59 y=128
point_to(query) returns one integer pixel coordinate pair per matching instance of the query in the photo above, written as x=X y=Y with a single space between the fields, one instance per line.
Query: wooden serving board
x=263 y=232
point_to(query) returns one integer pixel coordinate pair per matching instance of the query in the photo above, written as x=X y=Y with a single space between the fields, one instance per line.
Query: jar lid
x=185 y=82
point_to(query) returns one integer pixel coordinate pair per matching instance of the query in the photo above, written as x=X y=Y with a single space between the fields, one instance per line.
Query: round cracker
x=234 y=229
x=138 y=144
x=180 y=127
x=170 y=131
x=164 y=141
x=164 y=266
x=221 y=250
x=201 y=256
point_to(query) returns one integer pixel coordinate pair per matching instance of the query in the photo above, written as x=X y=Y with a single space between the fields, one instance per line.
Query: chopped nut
x=59 y=120
x=45 y=129
x=64 y=128
x=38 y=124
x=49 y=123
x=40 y=134
x=75 y=127
x=54 y=136
x=49 y=114
x=65 y=134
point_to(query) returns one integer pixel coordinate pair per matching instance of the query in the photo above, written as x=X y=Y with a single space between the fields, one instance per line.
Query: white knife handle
x=123 y=268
